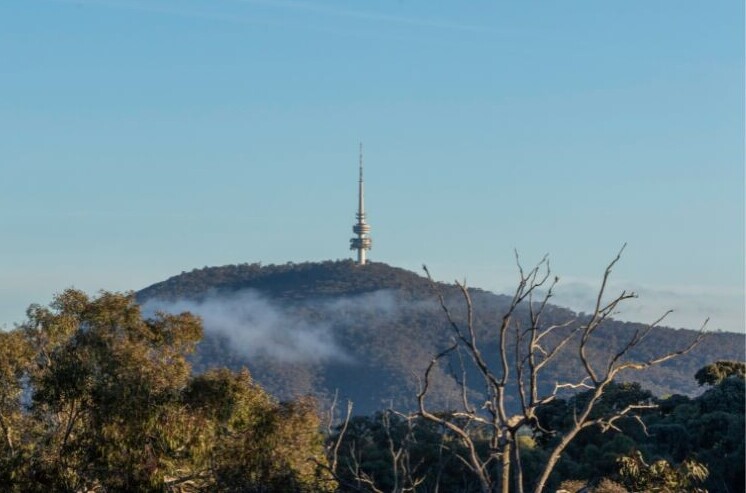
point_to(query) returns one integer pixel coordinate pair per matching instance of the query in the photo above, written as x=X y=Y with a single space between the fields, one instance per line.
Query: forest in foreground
x=96 y=397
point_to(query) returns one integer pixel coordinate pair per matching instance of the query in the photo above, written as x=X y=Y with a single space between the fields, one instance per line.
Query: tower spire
x=362 y=242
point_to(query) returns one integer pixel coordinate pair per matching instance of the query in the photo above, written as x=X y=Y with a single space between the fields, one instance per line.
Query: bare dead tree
x=331 y=466
x=404 y=471
x=332 y=449
x=524 y=351
x=351 y=475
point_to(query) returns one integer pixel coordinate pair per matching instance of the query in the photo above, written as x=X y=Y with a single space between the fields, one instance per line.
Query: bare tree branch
x=535 y=345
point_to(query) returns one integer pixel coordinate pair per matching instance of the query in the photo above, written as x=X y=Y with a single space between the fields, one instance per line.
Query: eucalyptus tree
x=96 y=397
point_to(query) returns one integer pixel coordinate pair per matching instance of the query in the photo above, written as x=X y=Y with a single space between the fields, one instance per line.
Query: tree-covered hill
x=369 y=332
x=290 y=281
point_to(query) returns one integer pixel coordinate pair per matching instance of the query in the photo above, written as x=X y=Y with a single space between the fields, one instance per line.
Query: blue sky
x=142 y=138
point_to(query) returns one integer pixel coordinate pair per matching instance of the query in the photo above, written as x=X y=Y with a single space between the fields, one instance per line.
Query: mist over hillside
x=369 y=331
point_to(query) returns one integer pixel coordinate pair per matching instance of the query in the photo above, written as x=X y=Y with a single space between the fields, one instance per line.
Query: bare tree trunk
x=518 y=469
x=505 y=480
x=553 y=458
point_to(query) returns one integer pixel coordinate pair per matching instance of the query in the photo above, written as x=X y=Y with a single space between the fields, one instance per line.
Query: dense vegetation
x=682 y=444
x=96 y=397
x=387 y=323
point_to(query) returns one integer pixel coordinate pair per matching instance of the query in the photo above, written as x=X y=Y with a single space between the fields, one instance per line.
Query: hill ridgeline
x=368 y=332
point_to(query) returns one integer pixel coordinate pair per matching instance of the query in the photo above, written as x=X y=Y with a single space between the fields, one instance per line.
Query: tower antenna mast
x=363 y=242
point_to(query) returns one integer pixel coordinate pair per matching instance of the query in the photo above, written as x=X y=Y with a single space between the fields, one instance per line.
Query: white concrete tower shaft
x=363 y=242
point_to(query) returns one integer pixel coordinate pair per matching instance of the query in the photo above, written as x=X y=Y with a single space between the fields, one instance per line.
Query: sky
x=143 y=138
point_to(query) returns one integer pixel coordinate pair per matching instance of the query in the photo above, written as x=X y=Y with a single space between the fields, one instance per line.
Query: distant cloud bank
x=691 y=305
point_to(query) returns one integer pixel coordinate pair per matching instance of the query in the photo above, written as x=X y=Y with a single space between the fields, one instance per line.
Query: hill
x=369 y=331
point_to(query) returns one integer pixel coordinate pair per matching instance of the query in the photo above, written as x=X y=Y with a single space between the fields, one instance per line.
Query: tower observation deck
x=363 y=241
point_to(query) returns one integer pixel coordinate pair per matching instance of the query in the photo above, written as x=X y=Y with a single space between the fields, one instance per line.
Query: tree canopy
x=94 y=397
x=716 y=372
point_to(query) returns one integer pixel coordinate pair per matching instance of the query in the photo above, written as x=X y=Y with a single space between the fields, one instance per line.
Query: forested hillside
x=368 y=332
x=100 y=394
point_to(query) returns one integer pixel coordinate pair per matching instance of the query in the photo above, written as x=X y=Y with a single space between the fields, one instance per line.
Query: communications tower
x=363 y=241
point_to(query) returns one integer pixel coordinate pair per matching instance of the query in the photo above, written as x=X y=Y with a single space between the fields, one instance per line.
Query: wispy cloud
x=259 y=326
x=691 y=304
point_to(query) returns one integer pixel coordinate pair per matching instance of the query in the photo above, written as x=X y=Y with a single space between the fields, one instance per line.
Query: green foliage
x=259 y=445
x=725 y=396
x=95 y=397
x=717 y=372
x=660 y=476
x=690 y=445
x=112 y=406
x=708 y=429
